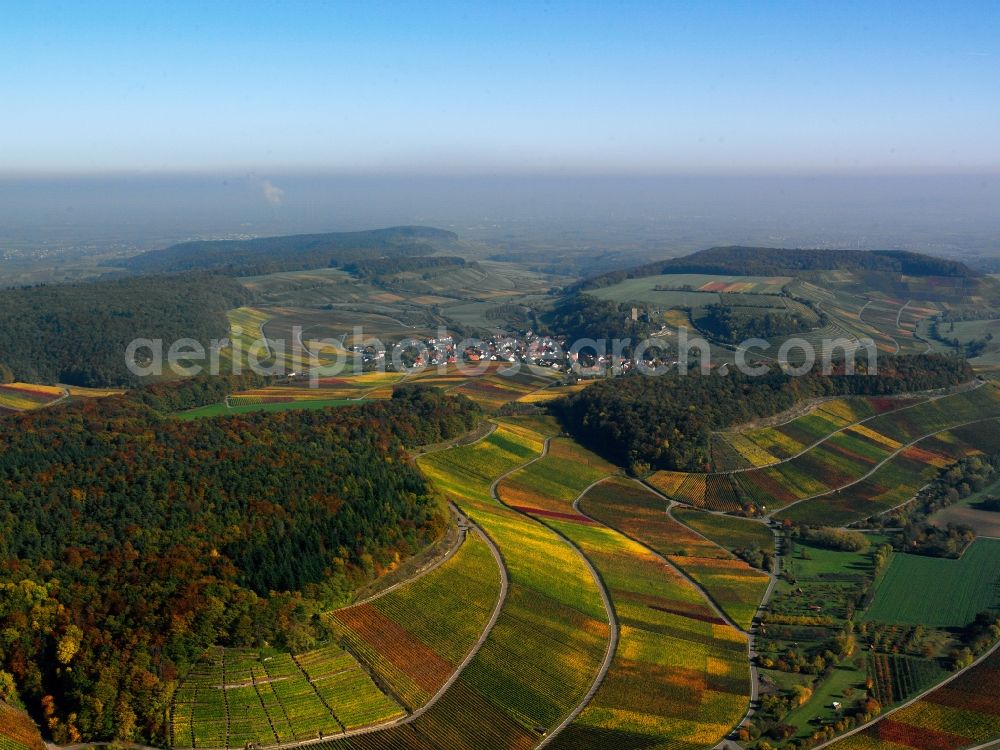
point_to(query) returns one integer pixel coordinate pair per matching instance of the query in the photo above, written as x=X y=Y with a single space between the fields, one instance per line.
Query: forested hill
x=131 y=542
x=646 y=422
x=293 y=252
x=770 y=261
x=78 y=333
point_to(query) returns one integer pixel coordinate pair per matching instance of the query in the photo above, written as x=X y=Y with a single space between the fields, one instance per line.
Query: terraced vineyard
x=493 y=391
x=553 y=392
x=539 y=660
x=343 y=387
x=770 y=445
x=731 y=532
x=17 y=730
x=641 y=514
x=890 y=323
x=843 y=458
x=679 y=677
x=26 y=396
x=413 y=638
x=547 y=487
x=900 y=477
x=397 y=651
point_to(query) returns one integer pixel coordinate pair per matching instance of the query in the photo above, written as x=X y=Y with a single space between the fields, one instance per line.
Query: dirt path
x=433 y=564
x=900 y=314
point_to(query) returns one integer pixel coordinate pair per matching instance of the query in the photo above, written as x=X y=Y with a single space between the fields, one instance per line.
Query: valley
x=611 y=560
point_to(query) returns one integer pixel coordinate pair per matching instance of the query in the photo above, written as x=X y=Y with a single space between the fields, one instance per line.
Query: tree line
x=734 y=324
x=772 y=261
x=130 y=542
x=665 y=422
x=78 y=333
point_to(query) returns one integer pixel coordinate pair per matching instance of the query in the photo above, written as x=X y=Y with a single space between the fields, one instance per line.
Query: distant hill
x=772 y=261
x=293 y=252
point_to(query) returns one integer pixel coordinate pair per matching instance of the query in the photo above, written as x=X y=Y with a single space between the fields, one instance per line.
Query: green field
x=843 y=679
x=939 y=592
x=967 y=331
x=237 y=696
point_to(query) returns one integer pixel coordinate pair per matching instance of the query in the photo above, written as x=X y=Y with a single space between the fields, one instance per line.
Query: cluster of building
x=531 y=349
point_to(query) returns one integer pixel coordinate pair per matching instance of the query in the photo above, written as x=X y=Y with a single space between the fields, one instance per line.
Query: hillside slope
x=78 y=333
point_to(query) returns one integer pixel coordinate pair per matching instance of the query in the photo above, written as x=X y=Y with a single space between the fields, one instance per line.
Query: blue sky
x=469 y=88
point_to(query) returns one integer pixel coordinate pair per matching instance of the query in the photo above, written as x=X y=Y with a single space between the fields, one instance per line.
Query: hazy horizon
x=943 y=214
x=646 y=126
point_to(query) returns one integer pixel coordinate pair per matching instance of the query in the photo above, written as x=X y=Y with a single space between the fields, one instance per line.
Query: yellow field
x=26 y=396
x=552 y=393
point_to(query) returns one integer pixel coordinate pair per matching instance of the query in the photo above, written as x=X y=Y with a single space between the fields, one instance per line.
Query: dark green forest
x=77 y=333
x=378 y=269
x=770 y=261
x=129 y=541
x=265 y=255
x=177 y=395
x=734 y=324
x=644 y=422
x=582 y=316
